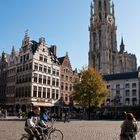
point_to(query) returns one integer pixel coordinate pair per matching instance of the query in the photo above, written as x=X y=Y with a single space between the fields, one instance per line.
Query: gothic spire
x=13 y=50
x=91 y=10
x=26 y=39
x=26 y=33
x=113 y=11
x=122 y=46
x=3 y=56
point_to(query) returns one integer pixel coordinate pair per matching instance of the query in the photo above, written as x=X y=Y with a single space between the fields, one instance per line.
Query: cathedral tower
x=103 y=44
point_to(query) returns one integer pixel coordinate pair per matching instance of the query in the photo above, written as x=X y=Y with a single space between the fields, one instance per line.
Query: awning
x=42 y=104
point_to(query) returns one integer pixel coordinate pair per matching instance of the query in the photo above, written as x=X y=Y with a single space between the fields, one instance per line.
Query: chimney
x=53 y=49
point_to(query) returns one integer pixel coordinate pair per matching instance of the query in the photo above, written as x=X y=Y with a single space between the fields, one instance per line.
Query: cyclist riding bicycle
x=44 y=115
x=44 y=118
x=33 y=123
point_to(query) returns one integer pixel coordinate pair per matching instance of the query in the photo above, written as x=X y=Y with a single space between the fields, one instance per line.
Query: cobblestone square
x=74 y=130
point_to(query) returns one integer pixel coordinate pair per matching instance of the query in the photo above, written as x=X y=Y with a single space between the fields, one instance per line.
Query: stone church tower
x=103 y=53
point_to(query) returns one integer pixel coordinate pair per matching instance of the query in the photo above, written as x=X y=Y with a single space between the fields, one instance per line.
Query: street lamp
x=116 y=100
x=61 y=105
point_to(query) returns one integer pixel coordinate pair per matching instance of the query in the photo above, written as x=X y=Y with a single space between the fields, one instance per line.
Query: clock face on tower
x=110 y=19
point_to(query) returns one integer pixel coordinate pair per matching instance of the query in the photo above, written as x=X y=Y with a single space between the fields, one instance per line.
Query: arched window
x=100 y=5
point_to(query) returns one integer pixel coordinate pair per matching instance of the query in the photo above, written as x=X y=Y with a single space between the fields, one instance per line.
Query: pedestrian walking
x=129 y=128
x=1 y=115
x=19 y=112
x=66 y=117
x=5 y=113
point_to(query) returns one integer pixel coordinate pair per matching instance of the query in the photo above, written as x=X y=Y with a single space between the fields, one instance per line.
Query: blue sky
x=65 y=24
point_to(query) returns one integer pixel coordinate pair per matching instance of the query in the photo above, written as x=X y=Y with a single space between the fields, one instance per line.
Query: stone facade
x=38 y=75
x=3 y=77
x=11 y=80
x=103 y=53
x=68 y=77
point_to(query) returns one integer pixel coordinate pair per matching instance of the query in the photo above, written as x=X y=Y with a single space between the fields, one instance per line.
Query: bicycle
x=52 y=133
x=42 y=136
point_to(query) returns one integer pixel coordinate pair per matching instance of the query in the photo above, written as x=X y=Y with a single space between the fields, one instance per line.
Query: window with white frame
x=45 y=69
x=40 y=67
x=49 y=80
x=34 y=91
x=134 y=92
x=44 y=92
x=53 y=93
x=57 y=82
x=35 y=77
x=118 y=86
x=57 y=93
x=48 y=93
x=41 y=57
x=35 y=66
x=134 y=85
x=53 y=81
x=49 y=70
x=44 y=79
x=127 y=85
x=127 y=92
x=53 y=71
x=39 y=91
x=45 y=58
x=40 y=78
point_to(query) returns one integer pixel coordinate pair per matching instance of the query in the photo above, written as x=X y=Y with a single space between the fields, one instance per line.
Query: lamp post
x=61 y=105
x=116 y=100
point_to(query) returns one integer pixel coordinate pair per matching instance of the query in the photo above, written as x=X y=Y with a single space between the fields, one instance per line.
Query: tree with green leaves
x=90 y=90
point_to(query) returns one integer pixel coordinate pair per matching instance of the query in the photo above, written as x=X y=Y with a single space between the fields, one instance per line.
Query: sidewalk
x=12 y=118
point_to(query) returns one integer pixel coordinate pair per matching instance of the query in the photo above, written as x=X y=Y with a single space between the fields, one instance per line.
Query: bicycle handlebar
x=52 y=121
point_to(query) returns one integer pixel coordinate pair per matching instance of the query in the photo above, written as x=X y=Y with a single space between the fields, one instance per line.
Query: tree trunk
x=89 y=110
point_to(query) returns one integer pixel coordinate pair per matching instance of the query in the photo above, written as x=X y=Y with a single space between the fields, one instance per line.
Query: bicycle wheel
x=55 y=134
x=44 y=137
